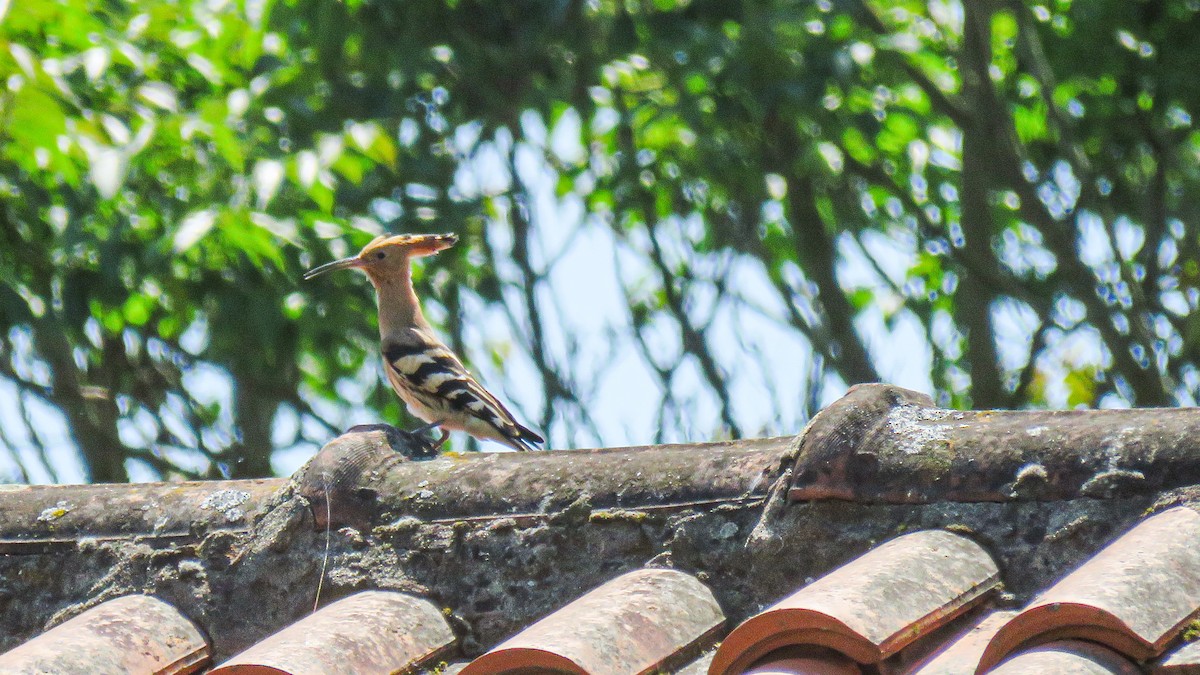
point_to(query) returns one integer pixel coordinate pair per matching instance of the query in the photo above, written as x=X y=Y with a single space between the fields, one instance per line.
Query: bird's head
x=389 y=255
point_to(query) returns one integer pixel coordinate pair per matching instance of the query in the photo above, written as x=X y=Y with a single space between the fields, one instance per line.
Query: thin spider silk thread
x=328 y=537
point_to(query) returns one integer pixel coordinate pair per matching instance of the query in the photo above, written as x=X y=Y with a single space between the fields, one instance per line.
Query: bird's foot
x=414 y=444
x=434 y=445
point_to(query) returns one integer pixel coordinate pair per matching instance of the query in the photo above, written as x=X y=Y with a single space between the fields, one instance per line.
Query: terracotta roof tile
x=367 y=633
x=1182 y=661
x=1067 y=657
x=130 y=635
x=699 y=666
x=804 y=661
x=1134 y=596
x=873 y=606
x=642 y=621
x=960 y=655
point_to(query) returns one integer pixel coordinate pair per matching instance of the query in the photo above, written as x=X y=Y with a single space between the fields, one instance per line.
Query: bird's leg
x=432 y=445
x=441 y=441
x=429 y=427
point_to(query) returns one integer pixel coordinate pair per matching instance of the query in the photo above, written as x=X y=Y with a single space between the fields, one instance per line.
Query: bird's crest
x=419 y=244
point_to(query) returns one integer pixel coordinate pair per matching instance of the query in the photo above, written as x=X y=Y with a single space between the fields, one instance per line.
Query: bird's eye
x=381 y=255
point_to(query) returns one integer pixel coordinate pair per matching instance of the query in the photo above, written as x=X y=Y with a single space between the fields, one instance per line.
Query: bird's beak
x=432 y=243
x=343 y=264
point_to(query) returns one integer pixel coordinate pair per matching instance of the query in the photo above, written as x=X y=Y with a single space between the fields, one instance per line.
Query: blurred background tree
x=681 y=220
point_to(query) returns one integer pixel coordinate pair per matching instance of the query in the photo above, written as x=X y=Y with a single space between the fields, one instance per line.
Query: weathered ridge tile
x=881 y=443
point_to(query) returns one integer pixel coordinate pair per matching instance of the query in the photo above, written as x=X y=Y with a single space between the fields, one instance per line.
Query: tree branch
x=1007 y=157
x=818 y=252
x=973 y=308
x=944 y=102
x=694 y=341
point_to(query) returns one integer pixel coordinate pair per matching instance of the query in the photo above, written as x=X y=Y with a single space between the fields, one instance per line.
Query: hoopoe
x=426 y=375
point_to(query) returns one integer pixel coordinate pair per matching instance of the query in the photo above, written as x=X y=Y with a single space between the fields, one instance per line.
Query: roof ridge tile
x=884 y=444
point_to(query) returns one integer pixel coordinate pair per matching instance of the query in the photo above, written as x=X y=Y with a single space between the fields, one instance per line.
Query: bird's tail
x=525 y=438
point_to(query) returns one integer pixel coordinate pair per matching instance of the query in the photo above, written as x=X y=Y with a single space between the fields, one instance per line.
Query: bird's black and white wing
x=438 y=389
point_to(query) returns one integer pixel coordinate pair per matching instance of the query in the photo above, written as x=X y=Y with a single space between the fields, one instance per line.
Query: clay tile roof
x=699 y=666
x=367 y=633
x=960 y=654
x=131 y=635
x=1134 y=596
x=1183 y=661
x=641 y=622
x=804 y=661
x=1067 y=657
x=873 y=606
x=870 y=543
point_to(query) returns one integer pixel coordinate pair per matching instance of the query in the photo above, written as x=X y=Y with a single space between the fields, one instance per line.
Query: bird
x=423 y=371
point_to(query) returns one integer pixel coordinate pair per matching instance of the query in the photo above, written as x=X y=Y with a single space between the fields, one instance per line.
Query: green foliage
x=1017 y=181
